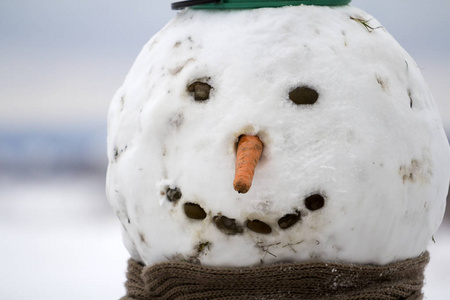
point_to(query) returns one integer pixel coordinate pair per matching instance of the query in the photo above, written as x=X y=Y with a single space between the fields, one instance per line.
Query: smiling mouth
x=231 y=226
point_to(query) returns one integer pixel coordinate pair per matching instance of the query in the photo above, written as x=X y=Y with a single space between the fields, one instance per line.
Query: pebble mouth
x=194 y=211
x=231 y=226
x=289 y=220
x=173 y=195
x=227 y=225
x=314 y=202
x=258 y=226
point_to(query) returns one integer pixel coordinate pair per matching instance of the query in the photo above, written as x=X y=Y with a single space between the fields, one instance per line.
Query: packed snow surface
x=358 y=175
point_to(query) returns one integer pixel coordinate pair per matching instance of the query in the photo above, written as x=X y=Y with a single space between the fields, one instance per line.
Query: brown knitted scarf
x=317 y=280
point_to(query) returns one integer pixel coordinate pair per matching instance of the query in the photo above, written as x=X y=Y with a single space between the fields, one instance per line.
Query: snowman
x=253 y=137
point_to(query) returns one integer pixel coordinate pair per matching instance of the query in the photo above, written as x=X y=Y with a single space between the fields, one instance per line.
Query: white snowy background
x=60 y=64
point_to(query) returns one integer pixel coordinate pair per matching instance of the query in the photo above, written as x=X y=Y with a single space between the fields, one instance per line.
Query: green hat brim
x=248 y=4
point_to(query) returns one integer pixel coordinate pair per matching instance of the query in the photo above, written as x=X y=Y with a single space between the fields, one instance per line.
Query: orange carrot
x=249 y=151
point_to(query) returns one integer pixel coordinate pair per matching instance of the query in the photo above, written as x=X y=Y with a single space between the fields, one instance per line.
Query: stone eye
x=200 y=90
x=303 y=95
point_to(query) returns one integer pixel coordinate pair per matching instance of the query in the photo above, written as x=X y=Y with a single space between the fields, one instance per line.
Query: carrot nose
x=249 y=152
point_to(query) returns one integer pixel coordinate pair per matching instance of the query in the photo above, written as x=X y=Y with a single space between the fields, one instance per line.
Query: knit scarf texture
x=316 y=280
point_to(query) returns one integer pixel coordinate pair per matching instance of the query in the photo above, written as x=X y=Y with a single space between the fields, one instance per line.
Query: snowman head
x=353 y=164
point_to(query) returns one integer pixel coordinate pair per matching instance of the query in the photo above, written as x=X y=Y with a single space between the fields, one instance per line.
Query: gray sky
x=61 y=61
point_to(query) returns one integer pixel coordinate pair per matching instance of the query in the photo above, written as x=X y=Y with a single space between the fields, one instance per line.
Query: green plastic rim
x=248 y=4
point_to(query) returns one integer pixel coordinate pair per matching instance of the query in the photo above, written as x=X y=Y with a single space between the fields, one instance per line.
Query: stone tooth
x=227 y=225
x=194 y=211
x=258 y=226
x=173 y=195
x=314 y=202
x=289 y=220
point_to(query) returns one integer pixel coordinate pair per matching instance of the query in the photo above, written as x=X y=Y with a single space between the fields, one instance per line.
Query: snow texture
x=372 y=145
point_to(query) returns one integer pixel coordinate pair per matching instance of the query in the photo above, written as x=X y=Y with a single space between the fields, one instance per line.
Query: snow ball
x=355 y=166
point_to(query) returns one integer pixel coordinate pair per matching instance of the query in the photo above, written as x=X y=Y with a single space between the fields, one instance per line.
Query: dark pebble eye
x=314 y=202
x=303 y=95
x=259 y=226
x=288 y=220
x=194 y=211
x=173 y=195
x=227 y=225
x=200 y=90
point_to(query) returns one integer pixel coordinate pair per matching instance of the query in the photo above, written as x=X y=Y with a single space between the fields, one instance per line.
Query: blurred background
x=60 y=64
